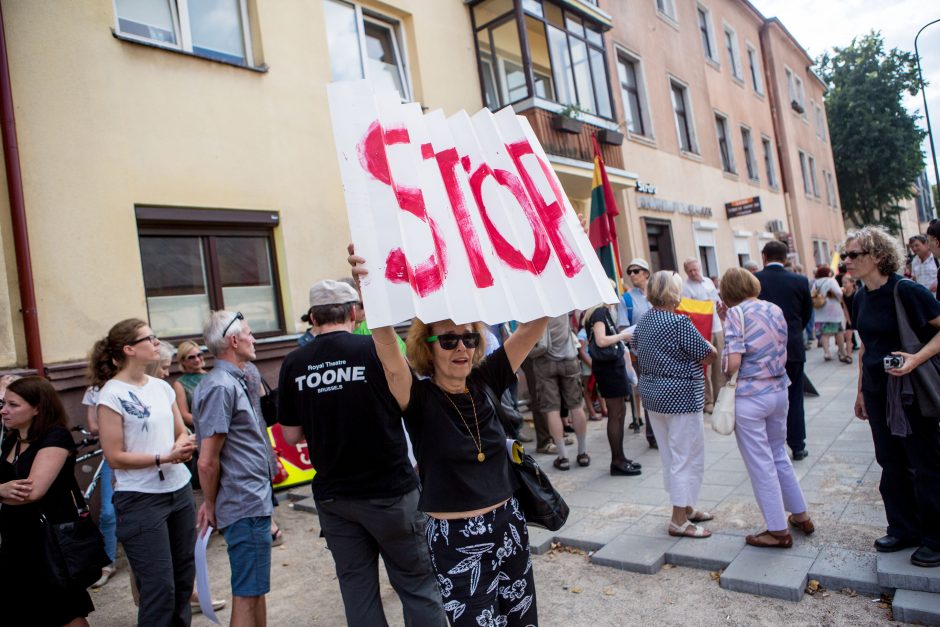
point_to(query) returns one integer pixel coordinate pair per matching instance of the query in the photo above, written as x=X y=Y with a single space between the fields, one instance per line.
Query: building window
x=734 y=56
x=811 y=163
x=667 y=8
x=769 y=160
x=708 y=37
x=795 y=91
x=807 y=189
x=724 y=144
x=566 y=53
x=634 y=102
x=194 y=263
x=364 y=46
x=830 y=189
x=682 y=110
x=821 y=252
x=748 y=144
x=660 y=244
x=753 y=62
x=820 y=122
x=216 y=29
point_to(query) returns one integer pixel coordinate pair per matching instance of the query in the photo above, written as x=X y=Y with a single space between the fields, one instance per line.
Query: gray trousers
x=357 y=531
x=158 y=532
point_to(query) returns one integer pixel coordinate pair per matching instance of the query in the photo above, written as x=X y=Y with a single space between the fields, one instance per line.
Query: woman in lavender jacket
x=758 y=353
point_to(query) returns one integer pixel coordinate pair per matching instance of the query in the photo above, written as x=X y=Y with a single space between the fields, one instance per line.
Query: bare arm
x=733 y=364
x=45 y=469
x=91 y=418
x=523 y=340
x=182 y=404
x=111 y=437
x=603 y=340
x=209 y=472
x=292 y=435
x=860 y=411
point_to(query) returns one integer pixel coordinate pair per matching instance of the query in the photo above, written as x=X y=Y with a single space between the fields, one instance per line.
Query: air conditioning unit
x=775 y=226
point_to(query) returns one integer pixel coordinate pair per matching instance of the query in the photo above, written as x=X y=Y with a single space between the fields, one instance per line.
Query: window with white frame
x=753 y=62
x=804 y=170
x=811 y=162
x=630 y=75
x=820 y=122
x=365 y=45
x=724 y=144
x=830 y=189
x=734 y=55
x=216 y=29
x=821 y=252
x=748 y=143
x=769 y=160
x=667 y=8
x=682 y=109
x=795 y=92
x=708 y=35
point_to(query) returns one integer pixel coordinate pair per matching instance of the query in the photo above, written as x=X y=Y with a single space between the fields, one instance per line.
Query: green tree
x=876 y=142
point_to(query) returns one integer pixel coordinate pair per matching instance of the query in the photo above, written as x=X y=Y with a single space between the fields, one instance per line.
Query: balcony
x=569 y=145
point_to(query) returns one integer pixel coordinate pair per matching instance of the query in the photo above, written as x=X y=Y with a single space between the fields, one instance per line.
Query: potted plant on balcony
x=613 y=137
x=568 y=119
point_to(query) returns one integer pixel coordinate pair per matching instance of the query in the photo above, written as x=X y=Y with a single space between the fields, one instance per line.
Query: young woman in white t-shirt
x=144 y=440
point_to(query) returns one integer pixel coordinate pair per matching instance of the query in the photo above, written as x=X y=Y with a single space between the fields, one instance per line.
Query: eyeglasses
x=238 y=316
x=853 y=254
x=448 y=341
x=635 y=270
x=150 y=338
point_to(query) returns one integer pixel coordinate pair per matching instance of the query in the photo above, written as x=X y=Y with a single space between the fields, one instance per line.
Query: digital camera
x=893 y=361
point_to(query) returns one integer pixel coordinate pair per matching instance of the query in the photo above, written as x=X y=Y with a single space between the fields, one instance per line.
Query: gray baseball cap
x=329 y=292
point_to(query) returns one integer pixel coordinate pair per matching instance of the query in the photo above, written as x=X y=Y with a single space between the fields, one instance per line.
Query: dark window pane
x=486 y=12
x=599 y=74
x=175 y=284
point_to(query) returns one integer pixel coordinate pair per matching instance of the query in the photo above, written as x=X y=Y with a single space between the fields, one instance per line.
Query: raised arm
x=523 y=340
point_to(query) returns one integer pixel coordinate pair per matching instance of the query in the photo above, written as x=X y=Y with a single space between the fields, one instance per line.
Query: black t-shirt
x=334 y=388
x=452 y=478
x=875 y=318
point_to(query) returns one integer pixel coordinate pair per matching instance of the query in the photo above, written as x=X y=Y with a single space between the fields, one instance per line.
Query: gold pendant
x=480 y=456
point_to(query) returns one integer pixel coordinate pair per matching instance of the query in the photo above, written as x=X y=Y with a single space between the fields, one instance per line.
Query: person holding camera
x=907 y=440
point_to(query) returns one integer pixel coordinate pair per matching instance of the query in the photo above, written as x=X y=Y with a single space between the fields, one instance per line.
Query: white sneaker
x=106 y=573
x=216 y=606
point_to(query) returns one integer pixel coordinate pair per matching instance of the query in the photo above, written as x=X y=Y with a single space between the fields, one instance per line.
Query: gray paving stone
x=725 y=477
x=306 y=505
x=767 y=573
x=838 y=568
x=712 y=553
x=540 y=540
x=651 y=526
x=587 y=498
x=916 y=607
x=638 y=554
x=896 y=571
x=590 y=533
x=864 y=514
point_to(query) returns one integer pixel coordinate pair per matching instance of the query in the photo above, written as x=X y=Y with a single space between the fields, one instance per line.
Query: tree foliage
x=876 y=142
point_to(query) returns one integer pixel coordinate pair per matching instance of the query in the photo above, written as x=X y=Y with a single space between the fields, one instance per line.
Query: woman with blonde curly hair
x=907 y=442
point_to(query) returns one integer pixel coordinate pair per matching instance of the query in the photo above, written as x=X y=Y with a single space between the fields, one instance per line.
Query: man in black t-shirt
x=333 y=392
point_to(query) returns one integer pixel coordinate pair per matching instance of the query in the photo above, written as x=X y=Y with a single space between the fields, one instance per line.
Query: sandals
x=561 y=463
x=584 y=459
x=806 y=526
x=846 y=359
x=106 y=573
x=688 y=529
x=700 y=517
x=767 y=540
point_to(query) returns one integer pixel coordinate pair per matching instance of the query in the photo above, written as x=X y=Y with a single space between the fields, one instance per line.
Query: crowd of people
x=430 y=488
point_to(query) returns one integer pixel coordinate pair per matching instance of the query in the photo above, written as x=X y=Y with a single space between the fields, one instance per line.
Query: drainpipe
x=11 y=157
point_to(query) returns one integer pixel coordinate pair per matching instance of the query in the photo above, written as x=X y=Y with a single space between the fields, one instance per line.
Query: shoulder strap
x=504 y=421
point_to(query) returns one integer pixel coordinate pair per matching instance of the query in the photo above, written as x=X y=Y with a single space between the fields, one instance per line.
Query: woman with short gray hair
x=671 y=356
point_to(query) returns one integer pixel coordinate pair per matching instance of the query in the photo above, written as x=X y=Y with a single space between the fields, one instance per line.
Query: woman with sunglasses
x=907 y=442
x=193 y=366
x=145 y=443
x=476 y=532
x=37 y=477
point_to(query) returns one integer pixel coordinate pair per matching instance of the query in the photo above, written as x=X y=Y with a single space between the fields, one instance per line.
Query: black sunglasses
x=853 y=254
x=238 y=316
x=194 y=357
x=635 y=270
x=448 y=341
x=150 y=338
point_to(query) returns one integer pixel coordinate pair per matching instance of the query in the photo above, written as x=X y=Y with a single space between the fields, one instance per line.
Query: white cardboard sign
x=459 y=218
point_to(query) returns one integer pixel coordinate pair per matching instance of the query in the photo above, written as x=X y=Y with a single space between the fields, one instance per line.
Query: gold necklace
x=478 y=442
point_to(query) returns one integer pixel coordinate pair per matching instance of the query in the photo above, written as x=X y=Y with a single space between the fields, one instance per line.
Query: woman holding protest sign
x=476 y=532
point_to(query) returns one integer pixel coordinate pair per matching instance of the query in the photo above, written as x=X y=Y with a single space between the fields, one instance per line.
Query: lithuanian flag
x=603 y=230
x=701 y=312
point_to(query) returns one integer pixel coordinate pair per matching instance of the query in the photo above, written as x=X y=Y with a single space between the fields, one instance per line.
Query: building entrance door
x=659 y=242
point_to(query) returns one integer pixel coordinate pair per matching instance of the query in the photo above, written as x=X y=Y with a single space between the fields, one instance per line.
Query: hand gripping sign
x=460 y=218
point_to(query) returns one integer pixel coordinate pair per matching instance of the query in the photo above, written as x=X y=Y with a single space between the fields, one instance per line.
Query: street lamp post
x=920 y=77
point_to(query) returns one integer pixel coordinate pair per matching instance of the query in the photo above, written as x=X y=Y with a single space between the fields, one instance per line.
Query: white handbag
x=723 y=414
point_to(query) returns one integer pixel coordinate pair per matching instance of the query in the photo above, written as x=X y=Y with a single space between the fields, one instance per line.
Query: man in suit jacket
x=790 y=292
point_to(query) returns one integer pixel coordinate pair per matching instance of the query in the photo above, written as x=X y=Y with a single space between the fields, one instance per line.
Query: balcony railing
x=576 y=146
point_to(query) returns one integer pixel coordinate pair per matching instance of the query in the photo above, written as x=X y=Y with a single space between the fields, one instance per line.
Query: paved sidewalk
x=624 y=519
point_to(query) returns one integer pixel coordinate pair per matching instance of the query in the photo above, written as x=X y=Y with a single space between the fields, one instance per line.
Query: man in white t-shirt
x=923 y=264
x=699 y=287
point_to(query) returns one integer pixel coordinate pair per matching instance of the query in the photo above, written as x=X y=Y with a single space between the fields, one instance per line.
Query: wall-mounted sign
x=743 y=207
x=645 y=188
x=671 y=206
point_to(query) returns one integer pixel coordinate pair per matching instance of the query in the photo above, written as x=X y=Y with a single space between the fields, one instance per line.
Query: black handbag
x=74 y=550
x=926 y=377
x=269 y=404
x=541 y=503
x=604 y=353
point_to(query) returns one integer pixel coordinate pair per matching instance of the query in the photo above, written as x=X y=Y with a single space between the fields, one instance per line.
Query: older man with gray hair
x=234 y=468
x=700 y=287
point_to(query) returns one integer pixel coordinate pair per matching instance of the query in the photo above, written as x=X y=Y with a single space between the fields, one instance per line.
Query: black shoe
x=890 y=544
x=568 y=428
x=798 y=455
x=926 y=557
x=624 y=470
x=634 y=464
x=652 y=443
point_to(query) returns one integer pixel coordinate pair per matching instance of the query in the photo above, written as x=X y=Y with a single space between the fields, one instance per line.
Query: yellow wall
x=104 y=125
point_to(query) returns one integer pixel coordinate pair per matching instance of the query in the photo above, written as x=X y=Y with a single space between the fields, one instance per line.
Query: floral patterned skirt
x=484 y=568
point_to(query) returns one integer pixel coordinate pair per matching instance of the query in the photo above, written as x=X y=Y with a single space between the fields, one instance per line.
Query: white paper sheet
x=202 y=577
